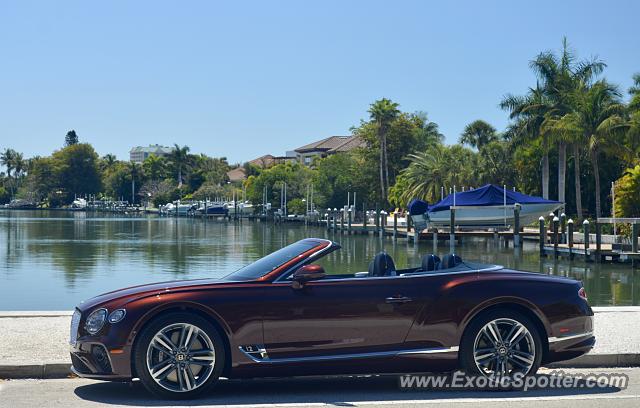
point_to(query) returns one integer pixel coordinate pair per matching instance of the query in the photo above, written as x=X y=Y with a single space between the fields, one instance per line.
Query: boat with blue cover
x=487 y=206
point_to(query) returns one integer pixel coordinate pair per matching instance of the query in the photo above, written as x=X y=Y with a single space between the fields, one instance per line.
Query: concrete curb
x=49 y=370
x=599 y=361
x=39 y=313
x=62 y=370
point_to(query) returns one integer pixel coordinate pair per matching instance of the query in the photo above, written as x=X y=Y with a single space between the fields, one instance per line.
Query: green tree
x=627 y=190
x=71 y=138
x=108 y=161
x=529 y=113
x=561 y=75
x=179 y=158
x=478 y=133
x=77 y=171
x=598 y=117
x=442 y=167
x=295 y=175
x=154 y=167
x=633 y=135
x=408 y=133
x=296 y=206
x=383 y=112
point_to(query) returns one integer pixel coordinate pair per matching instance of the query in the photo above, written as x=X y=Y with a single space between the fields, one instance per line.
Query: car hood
x=135 y=292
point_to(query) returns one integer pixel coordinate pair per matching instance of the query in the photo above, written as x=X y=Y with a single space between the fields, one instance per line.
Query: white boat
x=242 y=207
x=79 y=203
x=491 y=216
x=487 y=206
x=173 y=208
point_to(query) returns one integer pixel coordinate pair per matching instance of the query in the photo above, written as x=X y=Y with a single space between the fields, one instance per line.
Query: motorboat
x=213 y=208
x=79 y=204
x=487 y=206
x=176 y=208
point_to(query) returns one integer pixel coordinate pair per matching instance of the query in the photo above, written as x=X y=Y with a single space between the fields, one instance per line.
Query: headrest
x=430 y=262
x=450 y=261
x=382 y=265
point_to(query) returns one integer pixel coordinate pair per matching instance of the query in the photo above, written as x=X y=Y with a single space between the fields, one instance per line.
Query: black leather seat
x=382 y=265
x=450 y=261
x=430 y=262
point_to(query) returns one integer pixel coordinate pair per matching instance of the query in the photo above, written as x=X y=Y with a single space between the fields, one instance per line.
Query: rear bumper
x=566 y=348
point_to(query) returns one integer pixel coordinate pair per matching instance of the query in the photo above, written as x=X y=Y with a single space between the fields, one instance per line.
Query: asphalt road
x=371 y=392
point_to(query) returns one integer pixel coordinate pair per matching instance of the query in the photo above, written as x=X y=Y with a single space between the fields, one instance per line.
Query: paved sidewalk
x=35 y=344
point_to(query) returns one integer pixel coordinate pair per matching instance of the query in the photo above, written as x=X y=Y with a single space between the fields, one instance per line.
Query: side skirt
x=259 y=354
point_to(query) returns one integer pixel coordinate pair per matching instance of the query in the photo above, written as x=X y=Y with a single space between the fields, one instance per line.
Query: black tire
x=211 y=372
x=468 y=343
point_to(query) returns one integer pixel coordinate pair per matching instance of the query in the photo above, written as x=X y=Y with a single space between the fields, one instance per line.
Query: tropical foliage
x=571 y=120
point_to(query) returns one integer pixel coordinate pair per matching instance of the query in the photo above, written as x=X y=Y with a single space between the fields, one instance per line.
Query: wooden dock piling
x=587 y=234
x=516 y=225
x=570 y=237
x=452 y=228
x=395 y=225
x=556 y=222
x=598 y=240
x=543 y=235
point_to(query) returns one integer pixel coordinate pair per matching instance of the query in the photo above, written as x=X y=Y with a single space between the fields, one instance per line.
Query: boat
x=180 y=209
x=213 y=208
x=242 y=208
x=79 y=204
x=487 y=206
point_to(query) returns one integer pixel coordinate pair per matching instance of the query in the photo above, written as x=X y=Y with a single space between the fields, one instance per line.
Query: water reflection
x=52 y=260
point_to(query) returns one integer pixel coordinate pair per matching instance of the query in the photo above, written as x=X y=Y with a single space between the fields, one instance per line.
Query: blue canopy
x=486 y=196
x=417 y=207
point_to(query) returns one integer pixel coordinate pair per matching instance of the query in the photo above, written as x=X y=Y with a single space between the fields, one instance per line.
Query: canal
x=52 y=260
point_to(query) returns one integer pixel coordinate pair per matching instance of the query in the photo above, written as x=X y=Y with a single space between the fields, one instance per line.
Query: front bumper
x=95 y=360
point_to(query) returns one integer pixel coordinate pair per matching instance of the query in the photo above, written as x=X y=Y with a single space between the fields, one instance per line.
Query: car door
x=333 y=316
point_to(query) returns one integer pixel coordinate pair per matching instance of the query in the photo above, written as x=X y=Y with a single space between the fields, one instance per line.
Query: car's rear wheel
x=179 y=355
x=501 y=343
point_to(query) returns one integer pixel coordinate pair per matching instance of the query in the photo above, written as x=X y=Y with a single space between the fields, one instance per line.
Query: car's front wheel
x=179 y=355
x=501 y=343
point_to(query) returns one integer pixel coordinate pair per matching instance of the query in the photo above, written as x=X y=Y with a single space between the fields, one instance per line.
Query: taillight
x=582 y=293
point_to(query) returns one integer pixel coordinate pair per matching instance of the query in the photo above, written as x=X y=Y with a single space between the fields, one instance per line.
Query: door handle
x=398 y=299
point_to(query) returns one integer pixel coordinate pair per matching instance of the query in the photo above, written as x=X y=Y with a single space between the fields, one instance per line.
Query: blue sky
x=241 y=79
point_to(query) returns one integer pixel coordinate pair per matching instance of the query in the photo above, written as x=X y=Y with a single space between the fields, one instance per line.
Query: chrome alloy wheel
x=504 y=347
x=180 y=357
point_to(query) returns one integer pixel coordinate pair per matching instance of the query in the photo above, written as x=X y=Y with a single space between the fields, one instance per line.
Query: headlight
x=117 y=315
x=95 y=321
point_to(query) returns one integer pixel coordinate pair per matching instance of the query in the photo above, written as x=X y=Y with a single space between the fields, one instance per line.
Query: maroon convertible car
x=283 y=315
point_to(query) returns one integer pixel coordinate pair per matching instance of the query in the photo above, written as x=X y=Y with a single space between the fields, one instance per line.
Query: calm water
x=53 y=260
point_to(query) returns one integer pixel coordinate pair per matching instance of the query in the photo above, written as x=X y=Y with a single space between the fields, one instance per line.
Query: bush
x=296 y=206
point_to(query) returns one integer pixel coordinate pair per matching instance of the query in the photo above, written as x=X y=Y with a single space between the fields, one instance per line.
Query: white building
x=139 y=153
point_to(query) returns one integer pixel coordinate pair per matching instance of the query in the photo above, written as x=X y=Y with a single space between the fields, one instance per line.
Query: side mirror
x=307 y=273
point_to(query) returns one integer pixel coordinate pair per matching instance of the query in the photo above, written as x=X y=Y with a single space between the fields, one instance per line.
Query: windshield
x=270 y=262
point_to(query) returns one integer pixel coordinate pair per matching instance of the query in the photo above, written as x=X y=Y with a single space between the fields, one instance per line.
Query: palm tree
x=560 y=76
x=529 y=113
x=6 y=158
x=134 y=168
x=599 y=118
x=19 y=165
x=634 y=115
x=437 y=167
x=179 y=157
x=383 y=112
x=154 y=167
x=109 y=160
x=477 y=134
